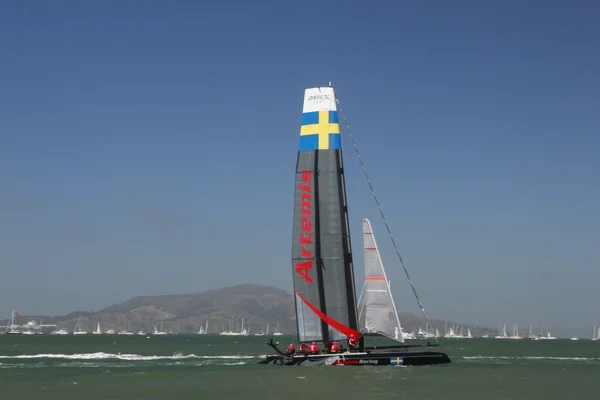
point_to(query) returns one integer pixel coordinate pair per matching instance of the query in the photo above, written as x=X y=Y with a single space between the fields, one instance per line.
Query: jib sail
x=321 y=249
x=380 y=310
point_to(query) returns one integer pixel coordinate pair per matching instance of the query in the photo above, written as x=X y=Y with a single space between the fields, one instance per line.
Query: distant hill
x=185 y=313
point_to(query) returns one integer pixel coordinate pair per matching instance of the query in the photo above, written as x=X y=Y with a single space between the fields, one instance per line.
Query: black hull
x=400 y=358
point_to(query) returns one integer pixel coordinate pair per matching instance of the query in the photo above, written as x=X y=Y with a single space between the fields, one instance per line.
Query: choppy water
x=214 y=367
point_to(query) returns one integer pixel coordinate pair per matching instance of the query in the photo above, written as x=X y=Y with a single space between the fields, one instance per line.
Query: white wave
x=126 y=357
x=490 y=358
x=112 y=365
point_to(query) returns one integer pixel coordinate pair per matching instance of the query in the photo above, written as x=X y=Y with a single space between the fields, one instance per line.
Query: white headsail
x=379 y=315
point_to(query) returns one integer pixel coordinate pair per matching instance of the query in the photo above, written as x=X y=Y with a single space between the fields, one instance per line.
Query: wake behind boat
x=323 y=273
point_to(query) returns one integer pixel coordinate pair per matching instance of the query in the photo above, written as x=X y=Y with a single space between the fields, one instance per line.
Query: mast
x=12 y=321
x=321 y=250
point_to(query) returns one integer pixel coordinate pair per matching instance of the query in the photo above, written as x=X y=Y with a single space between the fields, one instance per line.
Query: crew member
x=291 y=349
x=352 y=342
x=334 y=348
x=314 y=349
x=303 y=348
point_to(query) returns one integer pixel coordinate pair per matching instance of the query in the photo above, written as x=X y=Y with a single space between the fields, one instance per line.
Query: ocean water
x=217 y=367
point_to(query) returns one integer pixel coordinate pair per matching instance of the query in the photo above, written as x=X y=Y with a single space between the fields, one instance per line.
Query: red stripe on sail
x=338 y=326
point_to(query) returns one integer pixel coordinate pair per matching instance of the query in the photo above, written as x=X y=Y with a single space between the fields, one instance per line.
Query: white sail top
x=380 y=315
x=319 y=99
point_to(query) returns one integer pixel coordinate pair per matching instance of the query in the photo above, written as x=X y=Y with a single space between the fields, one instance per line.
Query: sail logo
x=306 y=237
x=318 y=98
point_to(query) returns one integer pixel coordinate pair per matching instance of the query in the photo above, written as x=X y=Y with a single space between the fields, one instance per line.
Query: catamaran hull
x=358 y=359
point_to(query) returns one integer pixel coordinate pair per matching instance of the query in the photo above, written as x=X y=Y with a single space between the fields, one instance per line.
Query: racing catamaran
x=323 y=273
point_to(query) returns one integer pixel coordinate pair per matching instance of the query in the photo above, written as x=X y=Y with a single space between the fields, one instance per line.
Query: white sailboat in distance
x=277 y=333
x=203 y=329
x=78 y=330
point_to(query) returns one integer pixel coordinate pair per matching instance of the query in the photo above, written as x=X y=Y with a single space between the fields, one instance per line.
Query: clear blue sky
x=148 y=147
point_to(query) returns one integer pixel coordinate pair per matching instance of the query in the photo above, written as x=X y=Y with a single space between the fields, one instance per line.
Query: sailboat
x=203 y=329
x=98 y=331
x=548 y=335
x=10 y=327
x=596 y=334
x=126 y=331
x=243 y=331
x=322 y=265
x=263 y=332
x=159 y=332
x=78 y=330
x=515 y=335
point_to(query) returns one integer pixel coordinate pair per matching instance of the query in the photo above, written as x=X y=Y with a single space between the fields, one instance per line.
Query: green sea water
x=221 y=367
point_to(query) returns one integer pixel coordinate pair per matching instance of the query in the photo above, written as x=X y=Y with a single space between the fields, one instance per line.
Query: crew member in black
x=352 y=342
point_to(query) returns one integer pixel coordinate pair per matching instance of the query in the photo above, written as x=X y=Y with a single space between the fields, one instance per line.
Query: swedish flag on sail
x=320 y=130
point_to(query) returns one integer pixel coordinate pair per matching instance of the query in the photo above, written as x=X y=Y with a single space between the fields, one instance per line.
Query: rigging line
x=364 y=169
x=355 y=175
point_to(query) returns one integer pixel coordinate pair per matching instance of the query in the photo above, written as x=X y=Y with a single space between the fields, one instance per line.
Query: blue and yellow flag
x=396 y=360
x=320 y=131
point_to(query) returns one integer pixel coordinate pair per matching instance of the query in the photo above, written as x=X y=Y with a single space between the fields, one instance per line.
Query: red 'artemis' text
x=306 y=238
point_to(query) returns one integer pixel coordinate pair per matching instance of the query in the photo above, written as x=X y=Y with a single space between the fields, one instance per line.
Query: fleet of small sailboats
x=232 y=332
x=31 y=328
x=457 y=333
x=454 y=331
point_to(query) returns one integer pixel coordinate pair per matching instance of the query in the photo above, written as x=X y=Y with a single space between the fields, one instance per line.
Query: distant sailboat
x=98 y=331
x=243 y=331
x=503 y=335
x=40 y=328
x=548 y=335
x=262 y=331
x=126 y=332
x=596 y=334
x=78 y=329
x=203 y=329
x=531 y=335
x=159 y=332
x=277 y=333
x=11 y=327
x=515 y=335
x=425 y=334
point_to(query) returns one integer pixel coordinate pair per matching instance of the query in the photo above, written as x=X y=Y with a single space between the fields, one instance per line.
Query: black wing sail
x=321 y=248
